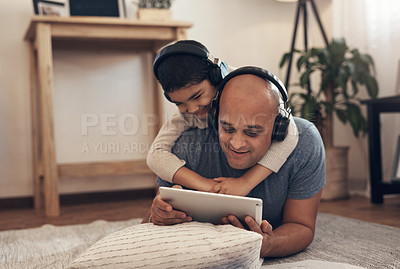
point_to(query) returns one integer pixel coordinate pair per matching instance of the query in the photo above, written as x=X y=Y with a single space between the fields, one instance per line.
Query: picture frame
x=97 y=8
x=396 y=164
x=51 y=7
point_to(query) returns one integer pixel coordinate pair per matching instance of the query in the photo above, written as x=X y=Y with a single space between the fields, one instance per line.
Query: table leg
x=36 y=155
x=45 y=81
x=375 y=162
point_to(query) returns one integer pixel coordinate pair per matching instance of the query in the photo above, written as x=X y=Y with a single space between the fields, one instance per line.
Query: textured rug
x=339 y=241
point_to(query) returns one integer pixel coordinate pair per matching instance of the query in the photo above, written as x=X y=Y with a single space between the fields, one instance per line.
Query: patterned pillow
x=188 y=245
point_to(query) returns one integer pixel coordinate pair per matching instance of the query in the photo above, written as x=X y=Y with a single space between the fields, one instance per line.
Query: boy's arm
x=159 y=158
x=278 y=152
x=272 y=161
x=167 y=165
x=186 y=177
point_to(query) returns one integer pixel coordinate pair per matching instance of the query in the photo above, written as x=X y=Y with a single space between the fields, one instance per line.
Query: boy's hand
x=233 y=186
x=209 y=185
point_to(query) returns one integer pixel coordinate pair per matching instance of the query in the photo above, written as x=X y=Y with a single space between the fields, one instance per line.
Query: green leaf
x=285 y=58
x=372 y=87
x=341 y=114
x=305 y=78
x=354 y=87
x=338 y=49
x=302 y=59
x=355 y=118
x=367 y=59
x=308 y=110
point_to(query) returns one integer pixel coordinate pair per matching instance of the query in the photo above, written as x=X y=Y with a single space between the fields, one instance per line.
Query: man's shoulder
x=302 y=124
x=308 y=133
x=305 y=127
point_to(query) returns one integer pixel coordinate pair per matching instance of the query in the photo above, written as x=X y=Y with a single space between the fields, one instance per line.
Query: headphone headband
x=218 y=69
x=260 y=72
x=281 y=122
x=175 y=49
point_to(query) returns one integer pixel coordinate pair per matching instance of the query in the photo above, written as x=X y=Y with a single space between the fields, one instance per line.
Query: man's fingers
x=177 y=186
x=162 y=212
x=162 y=217
x=266 y=227
x=253 y=226
x=161 y=204
x=174 y=214
x=225 y=220
x=235 y=222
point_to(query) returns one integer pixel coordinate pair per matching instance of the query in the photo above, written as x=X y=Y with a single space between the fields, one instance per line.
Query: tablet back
x=211 y=207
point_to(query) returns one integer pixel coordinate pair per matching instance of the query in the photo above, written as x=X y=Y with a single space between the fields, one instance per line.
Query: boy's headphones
x=281 y=123
x=218 y=69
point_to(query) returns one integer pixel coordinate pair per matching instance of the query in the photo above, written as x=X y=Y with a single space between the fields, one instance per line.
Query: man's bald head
x=247 y=111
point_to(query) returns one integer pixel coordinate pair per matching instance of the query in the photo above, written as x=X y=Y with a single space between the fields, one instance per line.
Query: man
x=248 y=107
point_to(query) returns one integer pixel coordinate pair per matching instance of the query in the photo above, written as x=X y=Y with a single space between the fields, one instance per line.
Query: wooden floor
x=355 y=207
x=361 y=208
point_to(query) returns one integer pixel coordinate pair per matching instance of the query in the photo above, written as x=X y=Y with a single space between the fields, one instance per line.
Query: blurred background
x=117 y=84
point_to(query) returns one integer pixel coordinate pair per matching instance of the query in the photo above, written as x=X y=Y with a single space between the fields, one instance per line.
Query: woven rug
x=337 y=239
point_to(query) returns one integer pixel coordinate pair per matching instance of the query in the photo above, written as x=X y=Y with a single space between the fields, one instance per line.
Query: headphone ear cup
x=215 y=75
x=280 y=129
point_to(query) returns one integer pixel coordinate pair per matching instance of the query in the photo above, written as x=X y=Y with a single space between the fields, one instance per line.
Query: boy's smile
x=194 y=99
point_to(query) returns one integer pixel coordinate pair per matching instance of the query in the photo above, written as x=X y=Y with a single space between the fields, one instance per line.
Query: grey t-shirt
x=301 y=177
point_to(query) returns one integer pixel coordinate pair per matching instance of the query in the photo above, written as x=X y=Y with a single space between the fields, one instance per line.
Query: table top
x=395 y=99
x=101 y=21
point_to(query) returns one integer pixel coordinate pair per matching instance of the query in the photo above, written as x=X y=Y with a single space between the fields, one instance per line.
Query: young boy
x=190 y=77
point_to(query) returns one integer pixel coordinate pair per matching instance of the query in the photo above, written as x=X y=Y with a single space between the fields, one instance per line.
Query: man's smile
x=237 y=153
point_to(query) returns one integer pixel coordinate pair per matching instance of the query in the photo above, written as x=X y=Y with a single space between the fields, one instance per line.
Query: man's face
x=246 y=117
x=194 y=99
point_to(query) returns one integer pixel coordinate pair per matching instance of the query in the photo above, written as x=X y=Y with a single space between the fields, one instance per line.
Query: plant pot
x=336 y=174
x=154 y=14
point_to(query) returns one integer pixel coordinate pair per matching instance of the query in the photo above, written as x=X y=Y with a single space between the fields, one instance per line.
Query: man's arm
x=294 y=235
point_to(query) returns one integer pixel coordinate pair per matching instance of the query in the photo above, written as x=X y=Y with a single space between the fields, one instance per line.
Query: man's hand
x=162 y=213
x=265 y=229
x=233 y=186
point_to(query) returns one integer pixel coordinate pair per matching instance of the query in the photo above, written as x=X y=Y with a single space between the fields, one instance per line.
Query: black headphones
x=218 y=69
x=281 y=123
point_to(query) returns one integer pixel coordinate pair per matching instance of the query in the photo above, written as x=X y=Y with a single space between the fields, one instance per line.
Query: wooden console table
x=44 y=33
x=375 y=107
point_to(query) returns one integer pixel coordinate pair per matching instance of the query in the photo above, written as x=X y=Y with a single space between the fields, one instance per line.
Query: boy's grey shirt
x=301 y=177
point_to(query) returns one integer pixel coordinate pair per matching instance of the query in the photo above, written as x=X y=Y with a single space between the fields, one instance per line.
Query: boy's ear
x=167 y=96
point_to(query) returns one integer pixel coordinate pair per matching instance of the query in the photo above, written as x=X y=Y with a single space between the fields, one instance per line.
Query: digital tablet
x=211 y=207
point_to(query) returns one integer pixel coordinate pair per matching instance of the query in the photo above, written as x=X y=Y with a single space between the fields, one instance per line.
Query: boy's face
x=194 y=99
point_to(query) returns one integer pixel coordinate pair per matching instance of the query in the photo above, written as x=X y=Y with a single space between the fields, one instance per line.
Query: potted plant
x=154 y=9
x=341 y=71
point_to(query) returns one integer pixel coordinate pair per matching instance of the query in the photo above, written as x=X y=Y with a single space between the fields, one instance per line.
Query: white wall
x=251 y=32
x=15 y=144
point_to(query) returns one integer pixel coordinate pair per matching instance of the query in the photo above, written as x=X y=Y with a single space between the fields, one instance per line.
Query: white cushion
x=188 y=245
